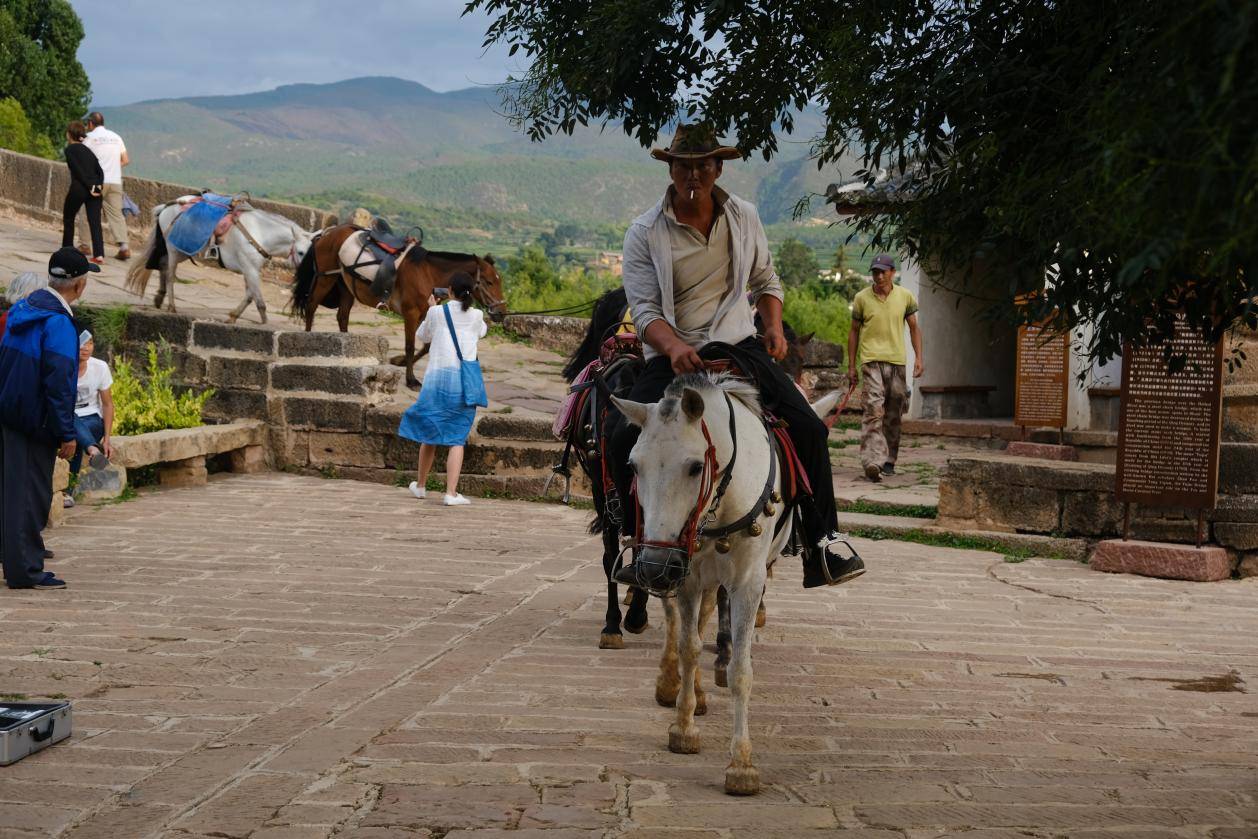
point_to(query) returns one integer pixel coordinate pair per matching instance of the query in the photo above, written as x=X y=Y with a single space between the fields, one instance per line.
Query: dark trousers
x=78 y=197
x=88 y=431
x=25 y=495
x=806 y=430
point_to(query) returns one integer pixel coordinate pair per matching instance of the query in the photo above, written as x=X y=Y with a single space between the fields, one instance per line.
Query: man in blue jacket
x=39 y=372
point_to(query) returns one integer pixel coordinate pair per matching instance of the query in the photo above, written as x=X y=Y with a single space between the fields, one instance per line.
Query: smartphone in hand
x=441 y=293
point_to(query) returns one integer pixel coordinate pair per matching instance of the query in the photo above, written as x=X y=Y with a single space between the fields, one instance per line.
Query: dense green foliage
x=536 y=284
x=149 y=402
x=17 y=133
x=816 y=307
x=795 y=262
x=38 y=67
x=1115 y=149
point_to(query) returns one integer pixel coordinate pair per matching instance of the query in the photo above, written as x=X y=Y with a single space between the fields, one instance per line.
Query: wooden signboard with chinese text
x=1043 y=378
x=1168 y=428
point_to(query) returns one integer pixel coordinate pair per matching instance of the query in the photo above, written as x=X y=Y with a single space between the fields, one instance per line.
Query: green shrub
x=814 y=308
x=533 y=283
x=152 y=404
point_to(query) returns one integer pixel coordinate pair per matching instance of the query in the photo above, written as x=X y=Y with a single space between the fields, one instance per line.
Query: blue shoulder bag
x=469 y=371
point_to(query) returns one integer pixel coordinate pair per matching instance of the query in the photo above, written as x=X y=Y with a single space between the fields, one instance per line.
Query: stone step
x=348 y=345
x=334 y=378
x=513 y=427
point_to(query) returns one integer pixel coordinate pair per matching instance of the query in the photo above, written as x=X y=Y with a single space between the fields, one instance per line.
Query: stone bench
x=179 y=454
x=947 y=402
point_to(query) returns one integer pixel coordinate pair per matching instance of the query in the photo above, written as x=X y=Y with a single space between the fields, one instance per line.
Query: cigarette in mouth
x=692 y=195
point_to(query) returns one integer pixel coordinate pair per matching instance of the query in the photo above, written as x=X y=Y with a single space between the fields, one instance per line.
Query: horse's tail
x=150 y=258
x=608 y=311
x=304 y=283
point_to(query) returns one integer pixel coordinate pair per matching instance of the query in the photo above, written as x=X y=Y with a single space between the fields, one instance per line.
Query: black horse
x=586 y=438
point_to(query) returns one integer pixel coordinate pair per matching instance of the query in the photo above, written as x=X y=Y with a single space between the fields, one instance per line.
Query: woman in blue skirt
x=440 y=416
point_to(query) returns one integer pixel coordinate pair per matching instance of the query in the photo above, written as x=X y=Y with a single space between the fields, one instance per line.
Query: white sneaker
x=455 y=501
x=417 y=490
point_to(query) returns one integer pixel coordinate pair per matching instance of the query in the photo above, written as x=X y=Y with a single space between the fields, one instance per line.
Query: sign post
x=1169 y=426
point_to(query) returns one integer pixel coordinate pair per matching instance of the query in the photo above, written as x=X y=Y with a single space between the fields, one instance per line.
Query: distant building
x=611 y=261
x=971 y=362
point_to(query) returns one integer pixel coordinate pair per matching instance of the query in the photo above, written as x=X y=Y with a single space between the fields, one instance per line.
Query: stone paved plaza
x=279 y=657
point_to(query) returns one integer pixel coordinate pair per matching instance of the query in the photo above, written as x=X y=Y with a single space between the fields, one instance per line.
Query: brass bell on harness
x=588 y=429
x=754 y=529
x=723 y=545
x=775 y=497
x=696 y=546
x=769 y=509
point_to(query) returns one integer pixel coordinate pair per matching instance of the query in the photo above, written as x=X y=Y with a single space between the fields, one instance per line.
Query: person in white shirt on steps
x=93 y=410
x=112 y=154
x=441 y=415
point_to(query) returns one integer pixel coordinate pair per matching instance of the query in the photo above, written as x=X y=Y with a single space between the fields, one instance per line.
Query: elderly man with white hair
x=39 y=369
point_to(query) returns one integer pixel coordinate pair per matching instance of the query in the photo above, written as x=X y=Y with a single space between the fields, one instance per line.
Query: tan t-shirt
x=700 y=273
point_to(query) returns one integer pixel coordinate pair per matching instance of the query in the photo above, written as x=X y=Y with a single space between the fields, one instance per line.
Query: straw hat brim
x=720 y=153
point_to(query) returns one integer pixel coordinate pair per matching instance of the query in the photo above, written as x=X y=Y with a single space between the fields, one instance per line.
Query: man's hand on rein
x=775 y=341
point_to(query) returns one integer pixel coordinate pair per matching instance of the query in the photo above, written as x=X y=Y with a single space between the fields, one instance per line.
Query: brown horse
x=323 y=281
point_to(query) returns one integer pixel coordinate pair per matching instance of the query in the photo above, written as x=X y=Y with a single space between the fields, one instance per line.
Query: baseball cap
x=70 y=263
x=883 y=261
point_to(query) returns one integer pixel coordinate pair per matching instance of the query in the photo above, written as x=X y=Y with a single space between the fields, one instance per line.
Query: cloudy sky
x=150 y=49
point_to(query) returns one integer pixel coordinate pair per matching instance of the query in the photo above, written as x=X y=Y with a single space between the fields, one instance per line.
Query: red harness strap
x=707 y=483
x=795 y=479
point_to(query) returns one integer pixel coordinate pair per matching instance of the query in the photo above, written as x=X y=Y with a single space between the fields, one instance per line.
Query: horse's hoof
x=682 y=743
x=742 y=780
x=720 y=676
x=611 y=641
x=636 y=629
x=666 y=693
x=761 y=615
x=413 y=384
x=396 y=360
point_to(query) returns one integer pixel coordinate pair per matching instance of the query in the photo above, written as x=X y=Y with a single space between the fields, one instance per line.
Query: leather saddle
x=384 y=247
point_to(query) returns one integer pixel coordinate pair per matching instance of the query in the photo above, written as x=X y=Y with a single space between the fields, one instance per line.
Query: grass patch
x=13 y=697
x=1011 y=553
x=878 y=508
x=848 y=424
x=842 y=444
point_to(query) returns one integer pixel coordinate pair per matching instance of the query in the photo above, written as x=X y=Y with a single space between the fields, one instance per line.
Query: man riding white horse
x=689 y=264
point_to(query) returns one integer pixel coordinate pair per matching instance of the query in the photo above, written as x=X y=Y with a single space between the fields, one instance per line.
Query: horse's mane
x=607 y=313
x=739 y=389
x=420 y=253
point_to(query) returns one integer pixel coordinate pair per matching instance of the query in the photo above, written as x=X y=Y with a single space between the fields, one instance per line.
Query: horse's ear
x=635 y=412
x=692 y=404
x=489 y=257
x=806 y=338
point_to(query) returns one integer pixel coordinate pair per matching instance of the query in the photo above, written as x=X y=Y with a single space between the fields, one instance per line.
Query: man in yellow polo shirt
x=879 y=315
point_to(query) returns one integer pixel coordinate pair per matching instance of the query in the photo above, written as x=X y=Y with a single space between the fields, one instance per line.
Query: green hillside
x=448 y=162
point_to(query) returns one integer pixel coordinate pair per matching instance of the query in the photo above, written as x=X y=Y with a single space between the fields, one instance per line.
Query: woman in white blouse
x=440 y=416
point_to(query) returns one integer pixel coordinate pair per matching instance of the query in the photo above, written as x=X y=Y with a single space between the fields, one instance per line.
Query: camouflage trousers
x=886 y=398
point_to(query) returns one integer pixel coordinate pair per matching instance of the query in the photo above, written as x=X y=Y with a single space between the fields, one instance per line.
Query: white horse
x=681 y=459
x=255 y=237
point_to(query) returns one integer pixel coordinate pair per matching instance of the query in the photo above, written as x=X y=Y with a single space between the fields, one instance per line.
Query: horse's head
x=302 y=242
x=488 y=290
x=677 y=459
x=793 y=363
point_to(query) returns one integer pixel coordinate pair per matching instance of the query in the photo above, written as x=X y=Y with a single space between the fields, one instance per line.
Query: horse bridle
x=481 y=288
x=707 y=505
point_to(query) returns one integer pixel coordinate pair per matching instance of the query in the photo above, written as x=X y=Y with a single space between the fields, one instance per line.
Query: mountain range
x=451 y=160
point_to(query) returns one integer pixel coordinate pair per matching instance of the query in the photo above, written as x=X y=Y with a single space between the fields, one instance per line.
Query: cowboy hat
x=695 y=142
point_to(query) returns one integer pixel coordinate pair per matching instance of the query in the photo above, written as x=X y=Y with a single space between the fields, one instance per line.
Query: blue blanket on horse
x=193 y=228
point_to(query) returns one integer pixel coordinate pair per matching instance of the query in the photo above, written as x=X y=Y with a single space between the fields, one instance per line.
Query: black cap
x=70 y=263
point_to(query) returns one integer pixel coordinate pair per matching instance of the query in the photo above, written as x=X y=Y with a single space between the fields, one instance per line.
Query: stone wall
x=328 y=400
x=37 y=187
x=1015 y=494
